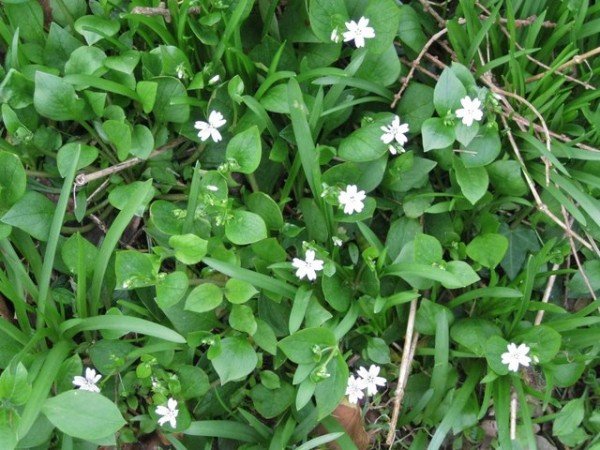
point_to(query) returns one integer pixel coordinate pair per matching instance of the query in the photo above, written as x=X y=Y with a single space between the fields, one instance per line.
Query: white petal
x=216 y=136
x=204 y=134
x=387 y=138
x=162 y=410
x=359 y=41
x=172 y=404
x=368 y=32
x=200 y=125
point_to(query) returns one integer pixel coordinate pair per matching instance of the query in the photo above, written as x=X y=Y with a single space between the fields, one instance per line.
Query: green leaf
x=204 y=297
x=146 y=91
x=330 y=391
x=56 y=99
x=299 y=306
x=134 y=269
x=165 y=110
x=33 y=214
x=236 y=359
x=384 y=17
x=238 y=291
x=488 y=249
x=364 y=144
x=506 y=178
x=263 y=205
x=241 y=318
x=569 y=417
x=473 y=181
x=448 y=92
x=95 y=28
x=337 y=292
x=245 y=228
x=171 y=288
x=84 y=415
x=543 y=340
x=472 y=333
x=427 y=249
x=246 y=150
x=14 y=385
x=416 y=106
x=194 y=382
x=410 y=32
x=465 y=134
x=65 y=156
x=119 y=134
x=577 y=284
x=124 y=62
x=70 y=250
x=521 y=240
x=122 y=324
x=436 y=134
x=142 y=141
x=495 y=346
x=381 y=68
x=483 y=149
x=463 y=272
x=189 y=248
x=299 y=346
x=325 y=16
x=271 y=403
x=13 y=179
x=86 y=60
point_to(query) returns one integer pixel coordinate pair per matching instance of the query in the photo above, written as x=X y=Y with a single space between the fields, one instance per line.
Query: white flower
x=212 y=188
x=180 y=71
x=357 y=32
x=355 y=388
x=210 y=128
x=352 y=199
x=335 y=36
x=516 y=356
x=337 y=241
x=470 y=110
x=168 y=413
x=89 y=382
x=214 y=80
x=371 y=378
x=395 y=132
x=308 y=267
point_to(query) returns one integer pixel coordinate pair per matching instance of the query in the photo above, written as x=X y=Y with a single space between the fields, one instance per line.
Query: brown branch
x=415 y=63
x=410 y=342
x=547 y=292
x=577 y=59
x=84 y=178
x=161 y=10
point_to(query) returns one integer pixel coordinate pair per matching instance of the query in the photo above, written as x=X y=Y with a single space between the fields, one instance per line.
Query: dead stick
x=404 y=371
x=415 y=63
x=84 y=178
x=577 y=59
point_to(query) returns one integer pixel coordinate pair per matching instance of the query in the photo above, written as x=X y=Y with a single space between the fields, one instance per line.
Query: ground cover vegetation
x=299 y=224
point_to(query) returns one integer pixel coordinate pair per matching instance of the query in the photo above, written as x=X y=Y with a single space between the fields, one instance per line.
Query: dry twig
x=410 y=341
x=84 y=178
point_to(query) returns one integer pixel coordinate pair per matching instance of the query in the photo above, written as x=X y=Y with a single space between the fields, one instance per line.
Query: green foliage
x=213 y=262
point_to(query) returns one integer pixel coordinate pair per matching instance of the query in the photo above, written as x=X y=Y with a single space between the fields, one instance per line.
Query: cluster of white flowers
x=351 y=199
x=308 y=266
x=210 y=129
x=366 y=379
x=516 y=356
x=470 y=111
x=395 y=133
